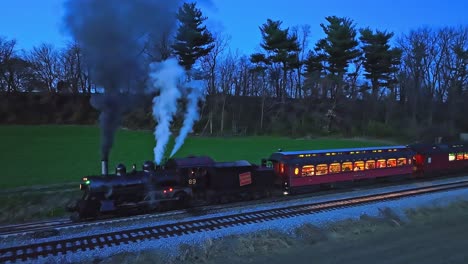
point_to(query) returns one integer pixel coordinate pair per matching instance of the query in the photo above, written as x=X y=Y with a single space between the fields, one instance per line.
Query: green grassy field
x=39 y=155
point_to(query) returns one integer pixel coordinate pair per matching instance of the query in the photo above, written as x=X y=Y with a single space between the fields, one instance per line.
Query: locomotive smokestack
x=104 y=168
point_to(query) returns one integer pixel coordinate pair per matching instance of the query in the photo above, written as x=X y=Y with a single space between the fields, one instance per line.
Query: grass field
x=39 y=155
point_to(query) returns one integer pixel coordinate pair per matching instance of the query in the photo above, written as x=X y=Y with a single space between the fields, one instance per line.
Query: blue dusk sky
x=32 y=22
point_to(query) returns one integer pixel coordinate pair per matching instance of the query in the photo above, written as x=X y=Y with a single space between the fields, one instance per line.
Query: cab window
x=308 y=170
x=381 y=163
x=322 y=169
x=347 y=166
x=451 y=156
x=335 y=168
x=269 y=164
x=358 y=165
x=401 y=162
x=391 y=163
x=370 y=164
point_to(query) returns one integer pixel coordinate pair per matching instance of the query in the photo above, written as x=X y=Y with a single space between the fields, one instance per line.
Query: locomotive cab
x=281 y=169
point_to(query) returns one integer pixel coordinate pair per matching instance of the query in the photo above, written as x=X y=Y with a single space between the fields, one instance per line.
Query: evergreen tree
x=380 y=61
x=281 y=47
x=338 y=48
x=193 y=40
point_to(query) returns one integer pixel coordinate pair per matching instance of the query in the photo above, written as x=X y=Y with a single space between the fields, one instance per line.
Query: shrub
x=379 y=129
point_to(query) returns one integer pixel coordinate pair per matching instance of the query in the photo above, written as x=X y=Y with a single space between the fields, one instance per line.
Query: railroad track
x=50 y=228
x=181 y=228
x=33 y=226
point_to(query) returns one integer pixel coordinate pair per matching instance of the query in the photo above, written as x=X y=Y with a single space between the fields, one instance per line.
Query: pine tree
x=380 y=60
x=280 y=47
x=338 y=48
x=193 y=40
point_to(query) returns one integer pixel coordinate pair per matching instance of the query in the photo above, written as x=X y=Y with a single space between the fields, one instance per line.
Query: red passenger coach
x=437 y=159
x=305 y=169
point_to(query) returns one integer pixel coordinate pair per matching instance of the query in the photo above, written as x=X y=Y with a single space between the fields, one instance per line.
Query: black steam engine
x=177 y=184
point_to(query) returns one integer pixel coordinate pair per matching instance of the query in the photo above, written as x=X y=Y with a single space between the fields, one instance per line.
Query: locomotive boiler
x=124 y=191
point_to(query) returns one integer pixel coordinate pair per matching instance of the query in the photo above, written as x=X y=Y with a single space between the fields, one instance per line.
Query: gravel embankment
x=178 y=247
x=428 y=235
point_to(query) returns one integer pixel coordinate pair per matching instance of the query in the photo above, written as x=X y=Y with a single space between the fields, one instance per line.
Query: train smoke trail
x=191 y=115
x=112 y=107
x=112 y=36
x=166 y=78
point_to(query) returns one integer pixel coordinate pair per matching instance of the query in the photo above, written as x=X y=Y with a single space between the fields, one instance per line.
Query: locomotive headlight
x=85 y=185
x=85 y=179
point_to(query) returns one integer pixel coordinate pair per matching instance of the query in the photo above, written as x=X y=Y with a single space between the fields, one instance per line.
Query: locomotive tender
x=184 y=181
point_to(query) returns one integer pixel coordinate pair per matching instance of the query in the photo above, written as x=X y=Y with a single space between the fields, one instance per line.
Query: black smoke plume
x=112 y=108
x=113 y=35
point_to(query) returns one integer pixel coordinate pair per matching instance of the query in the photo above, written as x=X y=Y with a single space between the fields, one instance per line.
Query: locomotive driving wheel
x=86 y=209
x=183 y=200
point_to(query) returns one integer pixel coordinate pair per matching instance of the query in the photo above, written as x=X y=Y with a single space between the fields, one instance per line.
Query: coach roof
x=327 y=152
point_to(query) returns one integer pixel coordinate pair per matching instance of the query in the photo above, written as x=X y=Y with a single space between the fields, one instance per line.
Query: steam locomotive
x=182 y=182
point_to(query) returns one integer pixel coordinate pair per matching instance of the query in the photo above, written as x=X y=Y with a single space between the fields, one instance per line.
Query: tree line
x=355 y=79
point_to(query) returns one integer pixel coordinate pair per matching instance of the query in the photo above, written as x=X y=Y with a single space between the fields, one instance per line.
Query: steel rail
x=54 y=225
x=180 y=228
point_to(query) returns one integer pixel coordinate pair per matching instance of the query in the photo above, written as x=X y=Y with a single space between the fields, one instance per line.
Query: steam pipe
x=104 y=168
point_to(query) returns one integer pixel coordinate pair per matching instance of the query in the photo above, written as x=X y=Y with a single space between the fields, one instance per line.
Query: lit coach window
x=296 y=171
x=308 y=170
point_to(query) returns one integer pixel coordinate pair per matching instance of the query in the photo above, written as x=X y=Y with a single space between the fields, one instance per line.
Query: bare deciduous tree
x=210 y=61
x=45 y=64
x=72 y=79
x=161 y=49
x=302 y=34
x=7 y=48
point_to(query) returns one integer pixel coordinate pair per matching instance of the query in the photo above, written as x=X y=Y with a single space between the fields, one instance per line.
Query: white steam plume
x=191 y=115
x=165 y=77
